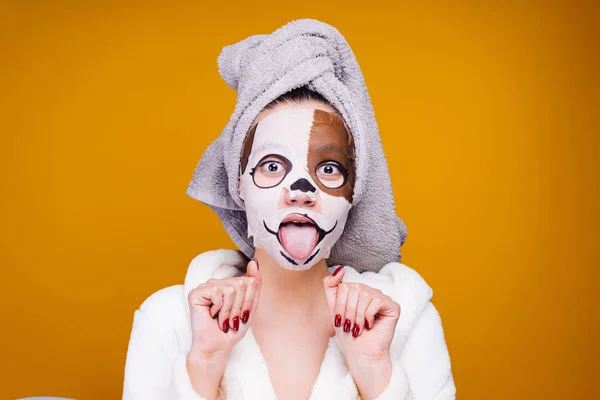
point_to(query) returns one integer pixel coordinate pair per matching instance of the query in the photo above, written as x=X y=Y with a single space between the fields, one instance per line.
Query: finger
x=255 y=301
x=206 y=296
x=217 y=300
x=382 y=306
x=364 y=298
x=252 y=286
x=340 y=305
x=349 y=322
x=372 y=310
x=236 y=309
x=228 y=298
x=389 y=308
x=252 y=269
x=335 y=278
x=200 y=297
x=331 y=284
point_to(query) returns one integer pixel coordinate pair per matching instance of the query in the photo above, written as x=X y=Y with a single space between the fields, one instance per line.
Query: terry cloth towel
x=308 y=53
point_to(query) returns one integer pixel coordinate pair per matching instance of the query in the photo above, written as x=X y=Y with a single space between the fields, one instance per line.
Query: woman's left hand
x=364 y=318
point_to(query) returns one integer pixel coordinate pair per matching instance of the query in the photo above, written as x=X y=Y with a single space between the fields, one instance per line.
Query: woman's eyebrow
x=330 y=148
x=270 y=146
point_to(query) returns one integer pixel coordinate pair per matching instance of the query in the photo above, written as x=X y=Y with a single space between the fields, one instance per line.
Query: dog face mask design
x=297 y=180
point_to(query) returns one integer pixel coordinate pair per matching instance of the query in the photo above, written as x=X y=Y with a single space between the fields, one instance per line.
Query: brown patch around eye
x=247 y=147
x=331 y=140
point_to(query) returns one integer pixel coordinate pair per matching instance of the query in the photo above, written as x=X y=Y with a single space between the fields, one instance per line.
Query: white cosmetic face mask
x=297 y=184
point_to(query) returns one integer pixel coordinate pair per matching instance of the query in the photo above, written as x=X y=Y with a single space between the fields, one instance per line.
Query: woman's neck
x=293 y=291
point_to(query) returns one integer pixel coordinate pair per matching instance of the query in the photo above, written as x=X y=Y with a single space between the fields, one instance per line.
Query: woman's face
x=297 y=182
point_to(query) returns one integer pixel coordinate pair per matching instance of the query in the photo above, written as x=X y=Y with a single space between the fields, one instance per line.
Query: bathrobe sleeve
x=423 y=371
x=161 y=335
x=155 y=368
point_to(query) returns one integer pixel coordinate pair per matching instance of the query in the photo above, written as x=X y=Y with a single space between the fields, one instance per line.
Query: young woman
x=324 y=309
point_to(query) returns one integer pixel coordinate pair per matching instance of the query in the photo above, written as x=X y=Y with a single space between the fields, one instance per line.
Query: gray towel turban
x=261 y=68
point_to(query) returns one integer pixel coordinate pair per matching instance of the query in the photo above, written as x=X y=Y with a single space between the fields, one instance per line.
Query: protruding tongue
x=298 y=240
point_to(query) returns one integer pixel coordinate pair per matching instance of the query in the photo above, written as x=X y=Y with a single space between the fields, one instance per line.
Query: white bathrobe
x=161 y=339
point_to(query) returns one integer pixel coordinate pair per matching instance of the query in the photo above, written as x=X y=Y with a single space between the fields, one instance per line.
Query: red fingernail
x=338 y=269
x=226 y=326
x=355 y=330
x=257 y=265
x=338 y=320
x=367 y=324
x=245 y=316
x=347 y=325
x=236 y=323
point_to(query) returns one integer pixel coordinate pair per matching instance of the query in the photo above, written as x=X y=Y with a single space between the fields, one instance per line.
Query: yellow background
x=488 y=113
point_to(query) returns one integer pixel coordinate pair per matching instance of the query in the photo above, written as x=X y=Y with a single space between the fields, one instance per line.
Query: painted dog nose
x=303 y=185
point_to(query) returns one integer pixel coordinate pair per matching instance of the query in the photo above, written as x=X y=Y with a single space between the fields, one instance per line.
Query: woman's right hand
x=221 y=311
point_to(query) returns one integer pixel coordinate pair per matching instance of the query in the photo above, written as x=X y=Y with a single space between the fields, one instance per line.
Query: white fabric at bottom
x=161 y=339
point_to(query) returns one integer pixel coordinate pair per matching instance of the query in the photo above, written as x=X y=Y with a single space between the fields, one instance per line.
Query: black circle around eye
x=328 y=168
x=275 y=166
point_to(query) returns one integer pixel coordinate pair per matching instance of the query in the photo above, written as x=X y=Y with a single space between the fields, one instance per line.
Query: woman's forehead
x=289 y=128
x=304 y=104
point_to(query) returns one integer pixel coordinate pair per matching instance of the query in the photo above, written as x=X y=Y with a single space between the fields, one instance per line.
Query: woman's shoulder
x=220 y=263
x=164 y=307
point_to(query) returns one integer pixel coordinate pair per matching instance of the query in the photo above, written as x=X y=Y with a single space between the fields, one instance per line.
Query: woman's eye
x=270 y=171
x=331 y=175
x=272 y=166
x=329 y=169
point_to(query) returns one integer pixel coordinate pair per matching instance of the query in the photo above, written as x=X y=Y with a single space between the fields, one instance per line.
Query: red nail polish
x=226 y=326
x=367 y=324
x=245 y=316
x=338 y=320
x=355 y=330
x=236 y=323
x=347 y=325
x=338 y=269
